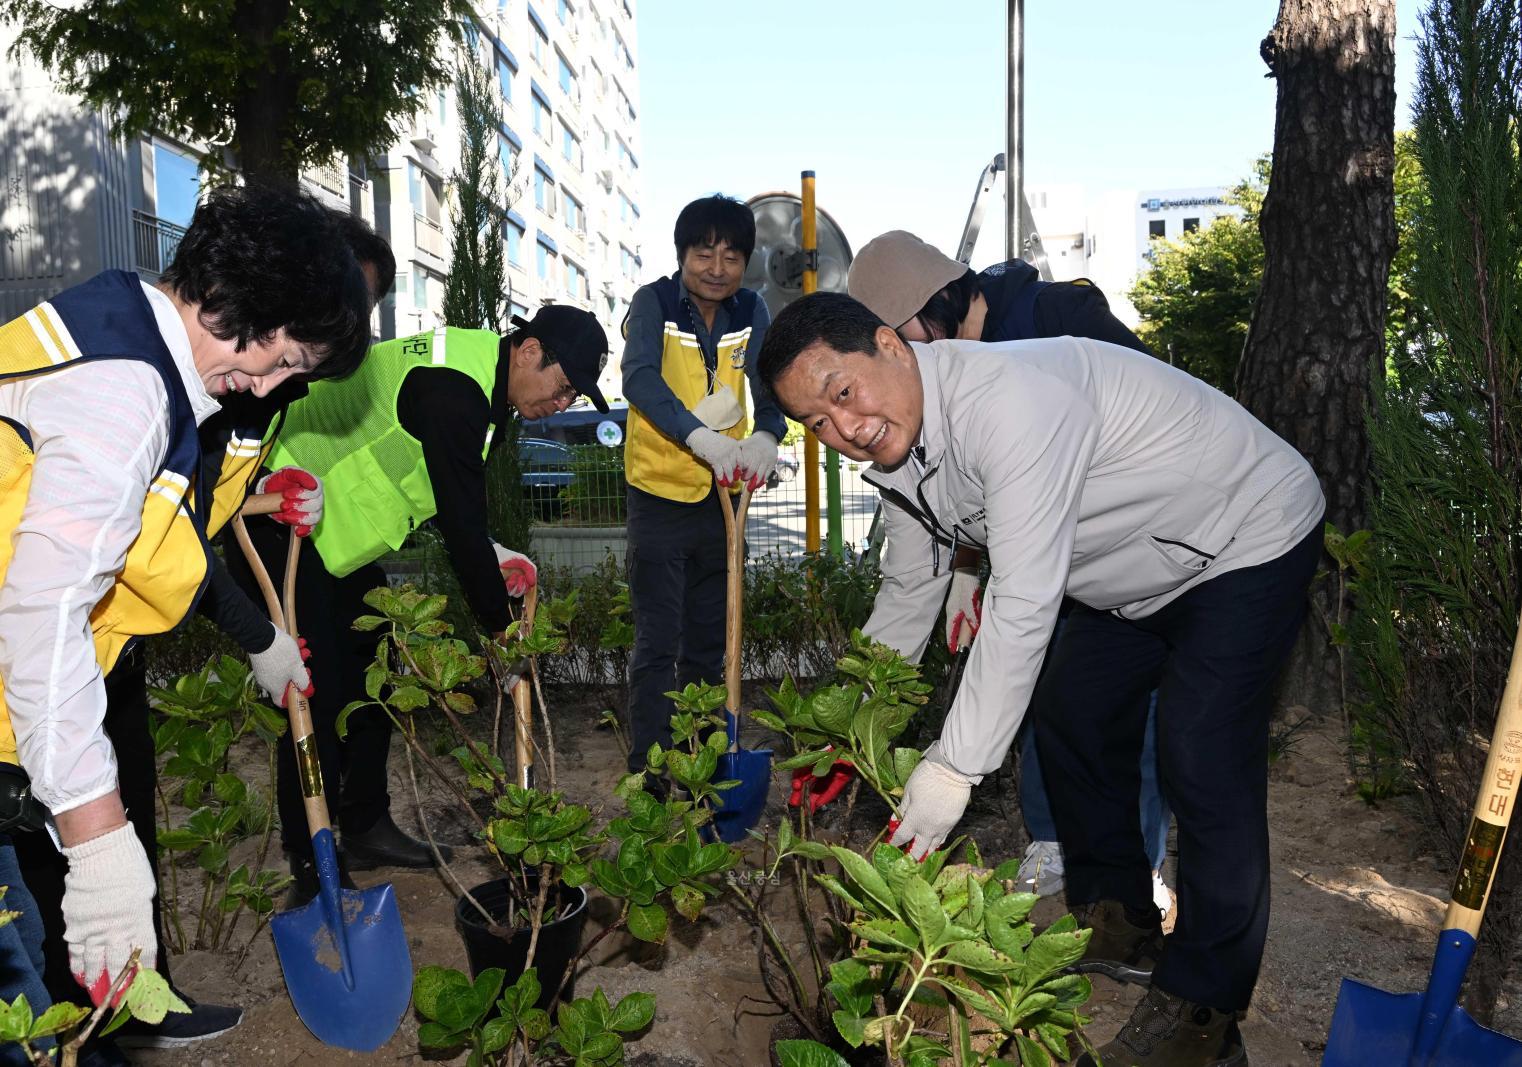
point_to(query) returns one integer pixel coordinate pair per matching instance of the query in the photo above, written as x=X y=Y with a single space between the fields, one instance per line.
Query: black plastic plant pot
x=559 y=939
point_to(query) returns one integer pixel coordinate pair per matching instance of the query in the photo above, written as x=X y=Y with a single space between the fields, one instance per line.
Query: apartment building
x=75 y=200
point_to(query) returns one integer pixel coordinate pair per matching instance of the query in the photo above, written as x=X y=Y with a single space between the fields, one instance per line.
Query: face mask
x=720 y=409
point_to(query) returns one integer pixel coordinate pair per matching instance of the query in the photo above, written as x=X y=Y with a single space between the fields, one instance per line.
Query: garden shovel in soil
x=344 y=953
x=1370 y=1026
x=741 y=805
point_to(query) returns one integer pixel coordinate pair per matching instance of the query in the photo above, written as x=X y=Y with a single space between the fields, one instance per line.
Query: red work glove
x=821 y=790
x=301 y=508
x=518 y=571
x=964 y=610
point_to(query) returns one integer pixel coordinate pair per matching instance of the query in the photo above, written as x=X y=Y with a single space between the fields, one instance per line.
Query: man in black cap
x=402 y=441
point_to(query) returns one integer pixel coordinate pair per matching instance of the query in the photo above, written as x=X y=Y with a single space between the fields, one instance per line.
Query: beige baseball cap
x=896 y=273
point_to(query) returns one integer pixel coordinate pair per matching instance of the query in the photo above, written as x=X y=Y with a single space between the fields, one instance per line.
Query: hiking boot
x=1169 y=1031
x=1119 y=948
x=1040 y=869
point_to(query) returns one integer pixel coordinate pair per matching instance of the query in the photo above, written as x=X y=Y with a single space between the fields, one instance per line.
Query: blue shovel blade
x=1371 y=1026
x=739 y=808
x=346 y=962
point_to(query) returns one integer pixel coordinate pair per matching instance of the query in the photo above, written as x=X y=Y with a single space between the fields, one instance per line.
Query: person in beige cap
x=926 y=295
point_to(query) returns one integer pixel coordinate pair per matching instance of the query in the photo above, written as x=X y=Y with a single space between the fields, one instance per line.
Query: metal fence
x=578 y=494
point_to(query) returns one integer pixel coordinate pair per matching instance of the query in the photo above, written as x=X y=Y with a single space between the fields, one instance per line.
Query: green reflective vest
x=375 y=483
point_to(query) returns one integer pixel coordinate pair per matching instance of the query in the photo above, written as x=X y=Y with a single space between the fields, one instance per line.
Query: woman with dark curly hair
x=102 y=389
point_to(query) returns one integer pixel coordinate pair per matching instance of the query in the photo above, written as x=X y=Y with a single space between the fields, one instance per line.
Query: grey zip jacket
x=1087 y=470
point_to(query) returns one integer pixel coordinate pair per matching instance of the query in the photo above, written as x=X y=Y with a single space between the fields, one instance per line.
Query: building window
x=1190 y=225
x=567 y=77
x=575 y=281
x=540 y=45
x=419 y=290
x=627 y=211
x=625 y=157
x=575 y=214
x=544 y=192
x=513 y=234
x=515 y=308
x=541 y=116
x=570 y=147
x=545 y=255
x=176 y=185
x=563 y=11
x=626 y=262
x=505 y=78
x=508 y=154
x=1157 y=228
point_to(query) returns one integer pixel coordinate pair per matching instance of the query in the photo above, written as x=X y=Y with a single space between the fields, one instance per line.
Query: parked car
x=545 y=469
x=578 y=425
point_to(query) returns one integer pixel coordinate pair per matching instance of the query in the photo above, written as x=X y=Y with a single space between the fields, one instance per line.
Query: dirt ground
x=1353 y=894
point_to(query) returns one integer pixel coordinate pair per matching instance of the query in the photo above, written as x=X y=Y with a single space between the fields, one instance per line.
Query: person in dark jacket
x=928 y=296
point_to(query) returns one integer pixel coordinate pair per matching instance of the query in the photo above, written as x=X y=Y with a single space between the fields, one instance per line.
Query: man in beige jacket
x=1184 y=534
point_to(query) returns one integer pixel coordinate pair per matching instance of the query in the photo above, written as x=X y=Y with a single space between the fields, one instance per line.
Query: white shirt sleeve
x=1032 y=469
x=911 y=594
x=99 y=432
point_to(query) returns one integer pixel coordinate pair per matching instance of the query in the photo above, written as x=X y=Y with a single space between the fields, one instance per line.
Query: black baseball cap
x=577 y=341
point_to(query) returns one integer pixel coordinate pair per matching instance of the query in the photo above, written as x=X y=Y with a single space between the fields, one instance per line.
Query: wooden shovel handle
x=1499 y=788
x=523 y=708
x=302 y=735
x=263 y=504
x=734 y=537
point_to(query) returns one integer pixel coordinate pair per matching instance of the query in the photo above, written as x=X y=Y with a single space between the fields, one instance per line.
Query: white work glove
x=935 y=796
x=719 y=451
x=518 y=571
x=964 y=610
x=282 y=666
x=301 y=507
x=108 y=909
x=758 y=458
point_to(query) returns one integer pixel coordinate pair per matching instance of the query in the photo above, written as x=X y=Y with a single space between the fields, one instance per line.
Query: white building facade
x=75 y=201
x=1108 y=237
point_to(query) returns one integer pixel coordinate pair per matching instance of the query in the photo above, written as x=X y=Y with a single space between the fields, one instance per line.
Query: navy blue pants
x=1213 y=655
x=677 y=573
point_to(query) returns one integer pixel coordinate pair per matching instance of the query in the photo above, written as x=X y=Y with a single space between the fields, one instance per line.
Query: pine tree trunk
x=267 y=98
x=1317 y=335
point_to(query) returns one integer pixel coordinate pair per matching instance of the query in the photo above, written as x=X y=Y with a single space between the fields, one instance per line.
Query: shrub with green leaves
x=202 y=719
x=503 y=1026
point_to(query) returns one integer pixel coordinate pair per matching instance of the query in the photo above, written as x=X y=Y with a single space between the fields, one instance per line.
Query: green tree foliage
x=1439 y=605
x=1196 y=300
x=280 y=84
x=476 y=289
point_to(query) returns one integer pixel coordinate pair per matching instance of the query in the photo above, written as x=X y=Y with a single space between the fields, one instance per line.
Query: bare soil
x=1354 y=893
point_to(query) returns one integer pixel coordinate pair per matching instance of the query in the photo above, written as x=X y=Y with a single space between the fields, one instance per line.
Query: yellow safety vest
x=109 y=317
x=653 y=461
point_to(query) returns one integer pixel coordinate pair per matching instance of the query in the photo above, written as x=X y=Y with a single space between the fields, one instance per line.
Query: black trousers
x=1213 y=655
x=126 y=725
x=354 y=769
x=677 y=571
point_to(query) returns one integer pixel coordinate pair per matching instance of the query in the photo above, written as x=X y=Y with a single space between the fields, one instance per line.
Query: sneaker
x=1041 y=869
x=180 y=1028
x=1168 y=1031
x=1161 y=896
x=1119 y=947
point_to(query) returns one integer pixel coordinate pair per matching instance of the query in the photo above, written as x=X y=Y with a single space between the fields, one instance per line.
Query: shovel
x=523 y=693
x=344 y=953
x=741 y=805
x=1371 y=1026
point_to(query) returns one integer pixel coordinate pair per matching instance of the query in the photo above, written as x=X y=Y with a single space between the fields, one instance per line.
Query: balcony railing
x=154 y=242
x=428 y=236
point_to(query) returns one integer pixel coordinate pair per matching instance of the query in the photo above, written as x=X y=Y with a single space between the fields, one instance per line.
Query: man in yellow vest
x=691 y=341
x=103 y=513
x=403 y=441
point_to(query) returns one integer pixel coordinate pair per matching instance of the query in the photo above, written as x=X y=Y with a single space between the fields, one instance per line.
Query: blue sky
x=897 y=110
